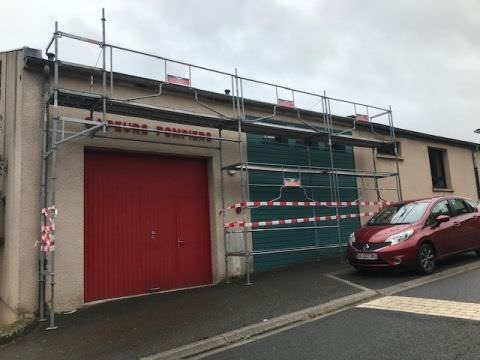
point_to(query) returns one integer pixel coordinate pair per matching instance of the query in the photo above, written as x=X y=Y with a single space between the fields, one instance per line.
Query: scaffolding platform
x=308 y=170
x=93 y=102
x=269 y=252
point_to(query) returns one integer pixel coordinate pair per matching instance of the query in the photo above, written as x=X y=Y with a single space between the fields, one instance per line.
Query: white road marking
x=434 y=307
x=334 y=277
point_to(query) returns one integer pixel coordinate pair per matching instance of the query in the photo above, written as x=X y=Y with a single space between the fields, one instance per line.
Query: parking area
x=377 y=280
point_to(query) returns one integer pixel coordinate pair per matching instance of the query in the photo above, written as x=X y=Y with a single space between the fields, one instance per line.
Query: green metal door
x=265 y=186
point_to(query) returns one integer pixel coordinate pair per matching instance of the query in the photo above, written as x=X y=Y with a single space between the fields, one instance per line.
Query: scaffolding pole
x=53 y=186
x=52 y=154
x=395 y=146
x=43 y=191
x=104 y=73
x=243 y=174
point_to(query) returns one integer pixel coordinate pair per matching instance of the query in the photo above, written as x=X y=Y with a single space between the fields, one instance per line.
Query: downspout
x=475 y=168
x=43 y=190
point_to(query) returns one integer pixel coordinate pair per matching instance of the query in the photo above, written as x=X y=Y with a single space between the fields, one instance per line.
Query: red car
x=415 y=234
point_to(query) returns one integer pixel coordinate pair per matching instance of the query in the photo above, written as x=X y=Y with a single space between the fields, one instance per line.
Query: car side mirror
x=442 y=218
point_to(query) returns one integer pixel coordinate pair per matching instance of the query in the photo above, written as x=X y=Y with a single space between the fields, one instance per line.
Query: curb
x=18 y=328
x=276 y=323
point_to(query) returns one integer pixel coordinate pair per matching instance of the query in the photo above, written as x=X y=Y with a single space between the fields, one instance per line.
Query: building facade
x=142 y=202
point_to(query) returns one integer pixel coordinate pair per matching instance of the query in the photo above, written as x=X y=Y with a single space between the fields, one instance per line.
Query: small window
x=269 y=139
x=301 y=143
x=307 y=143
x=442 y=208
x=312 y=143
x=281 y=140
x=437 y=159
x=389 y=149
x=460 y=207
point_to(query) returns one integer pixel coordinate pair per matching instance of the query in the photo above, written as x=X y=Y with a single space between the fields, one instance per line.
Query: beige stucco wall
x=17 y=249
x=414 y=168
x=414 y=165
x=23 y=118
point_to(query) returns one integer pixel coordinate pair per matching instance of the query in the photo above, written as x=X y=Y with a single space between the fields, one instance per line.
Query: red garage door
x=146 y=224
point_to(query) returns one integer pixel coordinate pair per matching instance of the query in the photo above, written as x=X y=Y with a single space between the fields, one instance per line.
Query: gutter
x=475 y=169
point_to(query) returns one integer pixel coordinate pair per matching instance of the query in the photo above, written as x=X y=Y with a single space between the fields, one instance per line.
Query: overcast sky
x=422 y=57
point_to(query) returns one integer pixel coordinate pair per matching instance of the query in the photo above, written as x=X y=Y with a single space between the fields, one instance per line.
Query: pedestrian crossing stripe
x=433 y=307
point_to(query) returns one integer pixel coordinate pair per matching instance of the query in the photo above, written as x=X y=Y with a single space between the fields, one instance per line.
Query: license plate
x=367 y=256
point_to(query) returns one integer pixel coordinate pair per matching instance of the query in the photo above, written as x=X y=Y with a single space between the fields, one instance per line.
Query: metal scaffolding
x=59 y=130
x=330 y=136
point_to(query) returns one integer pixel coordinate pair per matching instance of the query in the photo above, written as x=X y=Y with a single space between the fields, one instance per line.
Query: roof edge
x=34 y=58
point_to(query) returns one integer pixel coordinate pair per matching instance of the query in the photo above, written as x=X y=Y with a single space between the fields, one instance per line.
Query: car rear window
x=400 y=214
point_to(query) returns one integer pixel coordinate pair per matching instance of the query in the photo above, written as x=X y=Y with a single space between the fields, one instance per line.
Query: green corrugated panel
x=265 y=150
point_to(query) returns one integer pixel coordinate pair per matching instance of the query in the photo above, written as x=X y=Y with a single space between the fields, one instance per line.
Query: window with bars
x=389 y=149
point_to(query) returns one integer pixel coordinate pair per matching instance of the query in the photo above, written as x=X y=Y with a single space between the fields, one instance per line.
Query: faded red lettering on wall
x=144 y=129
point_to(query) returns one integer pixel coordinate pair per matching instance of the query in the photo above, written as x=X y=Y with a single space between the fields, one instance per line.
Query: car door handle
x=456 y=224
x=180 y=243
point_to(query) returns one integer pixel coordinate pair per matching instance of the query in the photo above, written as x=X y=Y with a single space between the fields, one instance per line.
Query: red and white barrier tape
x=47 y=242
x=244 y=224
x=245 y=204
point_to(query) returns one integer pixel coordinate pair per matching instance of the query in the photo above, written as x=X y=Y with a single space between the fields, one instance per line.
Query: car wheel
x=426 y=259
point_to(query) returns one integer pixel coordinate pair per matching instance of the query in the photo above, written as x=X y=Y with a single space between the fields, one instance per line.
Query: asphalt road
x=361 y=333
x=464 y=287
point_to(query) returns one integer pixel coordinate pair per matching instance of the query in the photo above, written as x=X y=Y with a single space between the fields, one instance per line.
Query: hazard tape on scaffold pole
x=47 y=239
x=244 y=224
x=245 y=204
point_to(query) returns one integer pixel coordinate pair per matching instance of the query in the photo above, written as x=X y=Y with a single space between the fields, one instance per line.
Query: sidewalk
x=136 y=327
